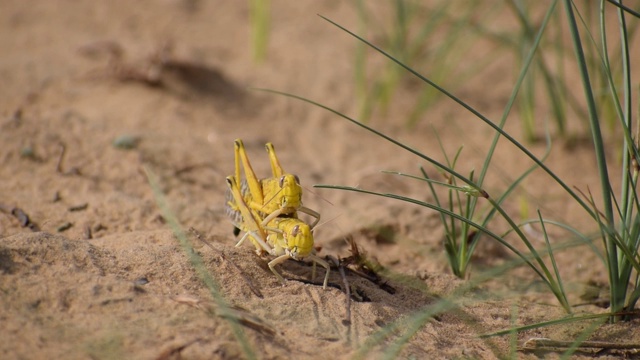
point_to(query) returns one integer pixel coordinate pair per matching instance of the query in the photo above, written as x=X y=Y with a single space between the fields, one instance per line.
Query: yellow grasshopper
x=270 y=197
x=284 y=237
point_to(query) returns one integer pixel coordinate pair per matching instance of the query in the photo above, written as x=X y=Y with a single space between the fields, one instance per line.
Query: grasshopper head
x=290 y=192
x=283 y=193
x=299 y=239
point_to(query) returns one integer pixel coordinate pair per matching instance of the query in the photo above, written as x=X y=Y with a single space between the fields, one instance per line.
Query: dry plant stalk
x=235 y=313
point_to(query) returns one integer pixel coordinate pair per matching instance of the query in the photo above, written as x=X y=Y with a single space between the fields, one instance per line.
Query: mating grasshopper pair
x=266 y=210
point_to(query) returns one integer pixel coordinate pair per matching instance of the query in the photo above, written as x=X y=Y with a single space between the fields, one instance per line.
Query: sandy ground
x=95 y=93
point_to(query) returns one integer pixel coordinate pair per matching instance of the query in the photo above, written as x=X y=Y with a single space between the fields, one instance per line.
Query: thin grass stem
x=223 y=309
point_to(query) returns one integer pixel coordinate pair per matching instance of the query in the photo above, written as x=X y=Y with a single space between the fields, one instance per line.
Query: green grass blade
x=547 y=275
x=521 y=78
x=583 y=239
x=625 y=8
x=448 y=213
x=601 y=161
x=223 y=309
x=412 y=323
x=386 y=137
x=553 y=259
x=461 y=103
x=562 y=321
x=259 y=13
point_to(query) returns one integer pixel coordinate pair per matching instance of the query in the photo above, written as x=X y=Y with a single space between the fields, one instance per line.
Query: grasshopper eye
x=281 y=182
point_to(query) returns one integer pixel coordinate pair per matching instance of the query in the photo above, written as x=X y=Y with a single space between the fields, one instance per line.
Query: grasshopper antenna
x=318 y=195
x=325 y=222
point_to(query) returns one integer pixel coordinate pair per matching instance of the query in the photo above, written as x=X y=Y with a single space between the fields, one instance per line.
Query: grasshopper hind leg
x=276 y=168
x=246 y=218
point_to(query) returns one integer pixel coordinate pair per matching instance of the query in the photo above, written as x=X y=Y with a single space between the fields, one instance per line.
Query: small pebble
x=79 y=207
x=141 y=281
x=28 y=152
x=64 y=227
x=126 y=142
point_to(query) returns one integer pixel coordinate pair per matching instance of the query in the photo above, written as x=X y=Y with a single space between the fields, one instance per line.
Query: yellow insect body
x=245 y=218
x=291 y=237
x=270 y=197
x=281 y=236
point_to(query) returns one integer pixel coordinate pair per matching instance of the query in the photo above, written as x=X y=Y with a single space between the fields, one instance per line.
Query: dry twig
x=174 y=351
x=536 y=344
x=72 y=171
x=235 y=313
x=364 y=267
